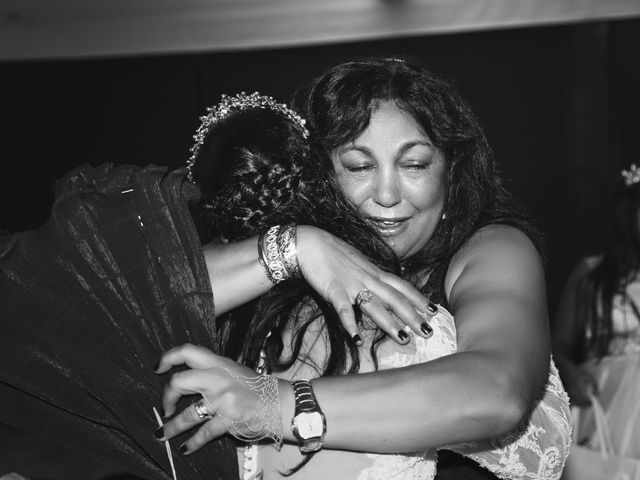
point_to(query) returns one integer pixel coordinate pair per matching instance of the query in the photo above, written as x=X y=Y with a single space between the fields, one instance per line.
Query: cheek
x=428 y=197
x=353 y=190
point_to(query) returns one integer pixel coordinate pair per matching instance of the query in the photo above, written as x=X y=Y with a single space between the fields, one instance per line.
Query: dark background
x=559 y=104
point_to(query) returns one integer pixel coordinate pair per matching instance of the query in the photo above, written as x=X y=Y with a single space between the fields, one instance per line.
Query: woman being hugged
x=408 y=154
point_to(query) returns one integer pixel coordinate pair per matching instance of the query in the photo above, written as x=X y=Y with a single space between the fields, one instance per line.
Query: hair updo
x=248 y=170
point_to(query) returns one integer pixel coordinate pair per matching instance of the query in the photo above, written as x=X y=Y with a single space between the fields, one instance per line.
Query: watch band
x=308 y=423
x=304 y=396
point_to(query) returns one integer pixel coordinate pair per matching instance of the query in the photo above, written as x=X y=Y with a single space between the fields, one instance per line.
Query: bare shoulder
x=496 y=252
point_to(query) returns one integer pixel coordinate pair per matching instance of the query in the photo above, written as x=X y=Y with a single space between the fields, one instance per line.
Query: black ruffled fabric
x=89 y=301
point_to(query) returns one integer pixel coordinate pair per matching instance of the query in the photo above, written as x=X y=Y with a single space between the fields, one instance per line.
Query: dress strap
x=434 y=287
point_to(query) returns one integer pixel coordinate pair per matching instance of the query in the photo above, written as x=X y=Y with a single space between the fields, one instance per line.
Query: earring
x=444 y=216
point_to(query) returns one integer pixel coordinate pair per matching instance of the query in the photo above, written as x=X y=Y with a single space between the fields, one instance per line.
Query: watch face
x=309 y=425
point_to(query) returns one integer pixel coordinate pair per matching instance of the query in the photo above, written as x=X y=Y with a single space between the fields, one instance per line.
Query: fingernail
x=426 y=329
x=183 y=449
x=402 y=335
x=156 y=366
x=159 y=433
x=358 y=341
x=433 y=308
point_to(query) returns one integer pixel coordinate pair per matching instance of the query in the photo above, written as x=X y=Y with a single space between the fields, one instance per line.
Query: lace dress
x=618 y=376
x=535 y=450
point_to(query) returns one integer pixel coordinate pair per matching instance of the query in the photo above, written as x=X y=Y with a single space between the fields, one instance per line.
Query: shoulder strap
x=434 y=288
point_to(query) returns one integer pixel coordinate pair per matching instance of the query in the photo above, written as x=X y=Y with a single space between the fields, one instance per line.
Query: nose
x=387 y=189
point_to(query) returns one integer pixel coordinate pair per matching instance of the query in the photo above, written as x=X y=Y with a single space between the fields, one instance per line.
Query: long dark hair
x=253 y=171
x=619 y=266
x=338 y=107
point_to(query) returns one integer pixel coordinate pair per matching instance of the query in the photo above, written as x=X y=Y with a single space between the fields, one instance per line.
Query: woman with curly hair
x=405 y=150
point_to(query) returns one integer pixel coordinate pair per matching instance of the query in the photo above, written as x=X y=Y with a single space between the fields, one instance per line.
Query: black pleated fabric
x=89 y=301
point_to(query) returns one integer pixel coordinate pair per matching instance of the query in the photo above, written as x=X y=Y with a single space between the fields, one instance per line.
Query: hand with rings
x=232 y=399
x=346 y=278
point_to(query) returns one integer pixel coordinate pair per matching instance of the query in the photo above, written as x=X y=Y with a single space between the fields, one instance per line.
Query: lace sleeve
x=535 y=450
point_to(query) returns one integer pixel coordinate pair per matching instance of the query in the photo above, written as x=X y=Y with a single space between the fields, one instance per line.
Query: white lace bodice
x=536 y=450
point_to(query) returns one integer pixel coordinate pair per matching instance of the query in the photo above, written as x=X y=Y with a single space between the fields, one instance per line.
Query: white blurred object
x=618 y=380
x=12 y=476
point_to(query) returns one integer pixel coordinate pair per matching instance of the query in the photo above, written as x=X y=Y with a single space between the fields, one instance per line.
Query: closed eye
x=359 y=168
x=416 y=166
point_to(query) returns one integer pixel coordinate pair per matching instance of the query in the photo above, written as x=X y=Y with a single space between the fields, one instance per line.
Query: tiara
x=240 y=101
x=631 y=176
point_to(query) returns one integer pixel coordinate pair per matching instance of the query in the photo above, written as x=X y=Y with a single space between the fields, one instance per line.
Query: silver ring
x=201 y=409
x=364 y=296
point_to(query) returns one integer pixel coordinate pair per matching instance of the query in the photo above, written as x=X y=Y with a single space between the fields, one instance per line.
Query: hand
x=239 y=401
x=339 y=272
x=581 y=385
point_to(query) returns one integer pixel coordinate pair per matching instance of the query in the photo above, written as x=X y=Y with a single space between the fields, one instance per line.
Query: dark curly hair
x=338 y=107
x=255 y=169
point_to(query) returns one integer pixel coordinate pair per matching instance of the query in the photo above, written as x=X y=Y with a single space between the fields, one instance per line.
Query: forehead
x=389 y=126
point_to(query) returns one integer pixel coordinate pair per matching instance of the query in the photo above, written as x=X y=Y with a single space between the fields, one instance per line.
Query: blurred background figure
x=596 y=333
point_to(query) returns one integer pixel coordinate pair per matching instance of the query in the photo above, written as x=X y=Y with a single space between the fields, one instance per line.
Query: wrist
x=309 y=425
x=287 y=406
x=278 y=254
x=310 y=240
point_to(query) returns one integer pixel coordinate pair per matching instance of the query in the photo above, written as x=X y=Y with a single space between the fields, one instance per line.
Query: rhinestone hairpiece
x=631 y=176
x=240 y=101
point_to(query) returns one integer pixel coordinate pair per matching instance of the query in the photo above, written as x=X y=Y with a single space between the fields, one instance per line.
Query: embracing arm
x=496 y=290
x=235 y=274
x=333 y=268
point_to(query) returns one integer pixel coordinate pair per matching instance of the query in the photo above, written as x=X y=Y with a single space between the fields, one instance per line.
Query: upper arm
x=497 y=293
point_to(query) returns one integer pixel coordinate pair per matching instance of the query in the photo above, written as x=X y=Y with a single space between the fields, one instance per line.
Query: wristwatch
x=308 y=424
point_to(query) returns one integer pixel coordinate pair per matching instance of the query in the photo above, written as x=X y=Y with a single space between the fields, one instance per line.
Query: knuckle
x=174 y=381
x=203 y=435
x=345 y=312
x=394 y=296
x=334 y=289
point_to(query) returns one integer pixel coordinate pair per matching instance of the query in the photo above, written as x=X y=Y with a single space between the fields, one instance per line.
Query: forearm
x=441 y=402
x=235 y=273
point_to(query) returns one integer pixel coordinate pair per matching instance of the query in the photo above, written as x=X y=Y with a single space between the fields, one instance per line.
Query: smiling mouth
x=388 y=227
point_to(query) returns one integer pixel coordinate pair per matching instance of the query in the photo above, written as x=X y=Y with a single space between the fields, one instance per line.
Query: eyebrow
x=403 y=148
